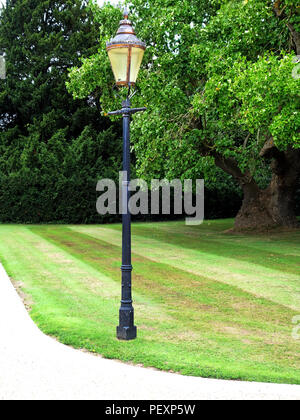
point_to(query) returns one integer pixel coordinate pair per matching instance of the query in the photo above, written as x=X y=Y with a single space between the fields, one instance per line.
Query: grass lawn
x=207 y=303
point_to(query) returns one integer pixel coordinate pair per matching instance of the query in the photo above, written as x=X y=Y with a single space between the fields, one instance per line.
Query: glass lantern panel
x=119 y=63
x=137 y=55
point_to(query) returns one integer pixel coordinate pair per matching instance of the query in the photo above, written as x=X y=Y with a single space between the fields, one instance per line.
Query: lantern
x=126 y=53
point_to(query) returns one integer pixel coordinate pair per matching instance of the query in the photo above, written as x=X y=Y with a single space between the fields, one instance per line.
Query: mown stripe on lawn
x=51 y=275
x=255 y=279
x=265 y=251
x=178 y=290
x=230 y=334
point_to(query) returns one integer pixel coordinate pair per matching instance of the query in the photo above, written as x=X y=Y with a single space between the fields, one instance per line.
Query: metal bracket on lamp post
x=126 y=329
x=126 y=109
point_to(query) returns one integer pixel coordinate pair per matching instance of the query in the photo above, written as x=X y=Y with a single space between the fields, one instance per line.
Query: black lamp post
x=126 y=53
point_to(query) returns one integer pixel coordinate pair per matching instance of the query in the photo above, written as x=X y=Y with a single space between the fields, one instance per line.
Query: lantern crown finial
x=126 y=13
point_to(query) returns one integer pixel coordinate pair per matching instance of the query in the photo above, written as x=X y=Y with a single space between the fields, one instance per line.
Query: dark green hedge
x=56 y=182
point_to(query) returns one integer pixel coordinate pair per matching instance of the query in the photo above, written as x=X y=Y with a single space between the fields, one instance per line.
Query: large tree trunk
x=274 y=206
x=263 y=209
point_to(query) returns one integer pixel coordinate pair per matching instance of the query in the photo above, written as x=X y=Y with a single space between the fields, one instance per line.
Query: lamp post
x=126 y=53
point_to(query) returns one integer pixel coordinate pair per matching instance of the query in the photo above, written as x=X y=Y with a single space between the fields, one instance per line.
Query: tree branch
x=276 y=8
x=268 y=149
x=285 y=163
x=230 y=166
x=296 y=37
x=281 y=15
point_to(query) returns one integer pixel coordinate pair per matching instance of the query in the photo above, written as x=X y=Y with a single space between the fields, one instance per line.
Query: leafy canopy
x=217 y=78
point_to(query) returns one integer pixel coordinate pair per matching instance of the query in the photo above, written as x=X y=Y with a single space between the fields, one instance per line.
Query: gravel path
x=34 y=366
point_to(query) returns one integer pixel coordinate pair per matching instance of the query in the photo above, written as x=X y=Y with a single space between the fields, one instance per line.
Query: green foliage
x=57 y=180
x=53 y=149
x=248 y=90
x=217 y=78
x=270 y=100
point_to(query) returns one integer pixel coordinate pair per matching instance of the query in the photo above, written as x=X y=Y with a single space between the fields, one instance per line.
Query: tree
x=218 y=79
x=41 y=40
x=52 y=149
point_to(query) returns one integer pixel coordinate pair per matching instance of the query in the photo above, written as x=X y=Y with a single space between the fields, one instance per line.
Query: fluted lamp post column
x=126 y=53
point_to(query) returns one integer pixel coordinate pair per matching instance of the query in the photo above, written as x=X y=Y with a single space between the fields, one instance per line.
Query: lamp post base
x=126 y=330
x=126 y=333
